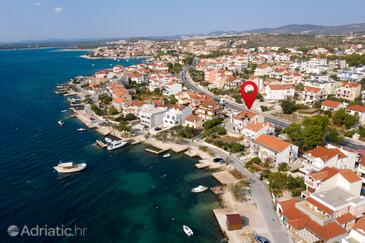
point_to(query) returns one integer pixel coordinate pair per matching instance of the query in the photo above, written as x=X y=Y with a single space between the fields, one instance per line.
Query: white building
x=329 y=156
x=176 y=115
x=273 y=149
x=358 y=110
x=278 y=91
x=151 y=116
x=171 y=88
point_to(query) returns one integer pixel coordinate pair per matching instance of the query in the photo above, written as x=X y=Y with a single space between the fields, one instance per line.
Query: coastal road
x=261 y=196
x=350 y=143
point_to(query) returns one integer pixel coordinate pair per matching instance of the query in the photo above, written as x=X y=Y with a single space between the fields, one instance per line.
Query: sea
x=128 y=195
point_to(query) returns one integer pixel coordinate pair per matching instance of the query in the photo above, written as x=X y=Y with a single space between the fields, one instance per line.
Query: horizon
x=62 y=20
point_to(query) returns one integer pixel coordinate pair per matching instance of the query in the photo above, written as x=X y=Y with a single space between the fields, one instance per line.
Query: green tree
x=288 y=106
x=124 y=127
x=211 y=123
x=334 y=136
x=283 y=167
x=112 y=111
x=96 y=110
x=342 y=118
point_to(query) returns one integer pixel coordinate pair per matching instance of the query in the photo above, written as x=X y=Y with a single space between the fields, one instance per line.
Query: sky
x=73 y=19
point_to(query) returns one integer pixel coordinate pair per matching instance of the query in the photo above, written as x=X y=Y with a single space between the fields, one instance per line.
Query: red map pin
x=249 y=97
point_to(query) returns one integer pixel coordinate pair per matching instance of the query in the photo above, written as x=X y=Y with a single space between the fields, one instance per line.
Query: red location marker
x=249 y=97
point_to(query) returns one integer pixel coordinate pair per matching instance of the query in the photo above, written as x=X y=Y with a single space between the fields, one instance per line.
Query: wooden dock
x=101 y=144
x=156 y=151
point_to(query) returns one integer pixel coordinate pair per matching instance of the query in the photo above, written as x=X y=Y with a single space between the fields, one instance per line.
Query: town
x=293 y=164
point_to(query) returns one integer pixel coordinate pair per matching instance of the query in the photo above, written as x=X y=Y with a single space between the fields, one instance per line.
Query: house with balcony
x=171 y=88
x=273 y=149
x=254 y=129
x=311 y=95
x=176 y=115
x=239 y=121
x=329 y=211
x=328 y=156
x=209 y=110
x=151 y=116
x=278 y=91
x=193 y=121
x=348 y=90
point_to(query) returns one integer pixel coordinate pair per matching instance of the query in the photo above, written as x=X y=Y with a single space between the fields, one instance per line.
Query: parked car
x=262 y=239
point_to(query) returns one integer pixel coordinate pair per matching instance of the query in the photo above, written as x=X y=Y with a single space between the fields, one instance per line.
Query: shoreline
x=120 y=58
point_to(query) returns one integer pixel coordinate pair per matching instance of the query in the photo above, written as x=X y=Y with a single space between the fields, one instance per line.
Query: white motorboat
x=61 y=123
x=166 y=155
x=63 y=111
x=199 y=189
x=187 y=230
x=81 y=129
x=116 y=144
x=108 y=140
x=69 y=167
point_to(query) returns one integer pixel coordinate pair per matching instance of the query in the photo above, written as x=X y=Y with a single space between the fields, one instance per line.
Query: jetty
x=101 y=143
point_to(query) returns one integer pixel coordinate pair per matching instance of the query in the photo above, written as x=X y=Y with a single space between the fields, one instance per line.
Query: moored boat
x=166 y=155
x=116 y=144
x=81 y=129
x=187 y=230
x=61 y=123
x=199 y=189
x=69 y=167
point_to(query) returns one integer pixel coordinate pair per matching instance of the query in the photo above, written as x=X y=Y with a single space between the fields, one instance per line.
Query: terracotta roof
x=244 y=114
x=257 y=126
x=324 y=174
x=349 y=175
x=349 y=84
x=325 y=153
x=137 y=103
x=319 y=205
x=331 y=103
x=327 y=232
x=358 y=108
x=271 y=142
x=312 y=89
x=345 y=218
x=287 y=204
x=192 y=118
x=281 y=86
x=360 y=224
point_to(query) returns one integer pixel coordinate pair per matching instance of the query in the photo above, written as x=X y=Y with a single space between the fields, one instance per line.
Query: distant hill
x=308 y=29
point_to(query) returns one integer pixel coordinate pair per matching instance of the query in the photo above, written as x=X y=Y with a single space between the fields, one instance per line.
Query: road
x=356 y=145
x=261 y=196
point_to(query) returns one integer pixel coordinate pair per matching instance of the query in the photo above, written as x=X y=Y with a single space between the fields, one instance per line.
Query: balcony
x=318 y=217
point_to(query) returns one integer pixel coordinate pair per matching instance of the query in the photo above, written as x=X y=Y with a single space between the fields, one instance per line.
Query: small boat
x=81 y=129
x=93 y=64
x=116 y=144
x=187 y=230
x=64 y=111
x=60 y=122
x=108 y=140
x=199 y=189
x=166 y=155
x=69 y=167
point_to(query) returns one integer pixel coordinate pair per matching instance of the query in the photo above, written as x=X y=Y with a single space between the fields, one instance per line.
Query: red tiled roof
x=271 y=142
x=312 y=89
x=324 y=174
x=281 y=86
x=287 y=204
x=192 y=118
x=360 y=224
x=345 y=218
x=245 y=114
x=358 y=108
x=350 y=84
x=349 y=175
x=257 y=126
x=325 y=153
x=327 y=232
x=331 y=103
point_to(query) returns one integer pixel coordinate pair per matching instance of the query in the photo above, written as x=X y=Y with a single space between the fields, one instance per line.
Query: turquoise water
x=124 y=196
